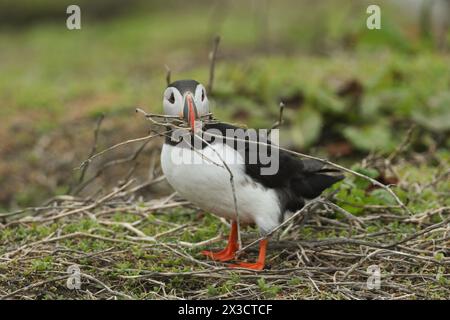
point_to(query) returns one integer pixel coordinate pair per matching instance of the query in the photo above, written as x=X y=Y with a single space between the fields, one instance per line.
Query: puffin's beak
x=190 y=111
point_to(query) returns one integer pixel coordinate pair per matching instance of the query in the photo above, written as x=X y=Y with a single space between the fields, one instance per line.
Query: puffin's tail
x=315 y=178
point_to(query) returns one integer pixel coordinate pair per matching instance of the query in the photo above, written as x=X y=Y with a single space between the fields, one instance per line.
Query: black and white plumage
x=198 y=174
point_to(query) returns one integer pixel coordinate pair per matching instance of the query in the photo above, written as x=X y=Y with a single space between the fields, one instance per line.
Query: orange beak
x=190 y=111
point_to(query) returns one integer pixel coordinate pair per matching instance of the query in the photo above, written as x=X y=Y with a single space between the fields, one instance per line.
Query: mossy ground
x=321 y=260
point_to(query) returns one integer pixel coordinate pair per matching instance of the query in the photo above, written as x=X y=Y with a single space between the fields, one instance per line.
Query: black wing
x=296 y=179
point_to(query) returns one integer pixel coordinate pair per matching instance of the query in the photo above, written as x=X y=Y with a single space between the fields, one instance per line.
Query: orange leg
x=229 y=252
x=259 y=264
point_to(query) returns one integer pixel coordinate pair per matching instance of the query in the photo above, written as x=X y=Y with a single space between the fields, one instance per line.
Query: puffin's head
x=186 y=99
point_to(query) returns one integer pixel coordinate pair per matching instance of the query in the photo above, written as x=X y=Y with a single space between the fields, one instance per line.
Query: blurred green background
x=349 y=91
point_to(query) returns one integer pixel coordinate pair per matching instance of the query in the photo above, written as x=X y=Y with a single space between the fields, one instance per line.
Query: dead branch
x=94 y=147
x=87 y=161
x=279 y=122
x=168 y=74
x=212 y=58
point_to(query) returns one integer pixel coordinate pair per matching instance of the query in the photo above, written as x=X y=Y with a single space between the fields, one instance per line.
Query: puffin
x=219 y=175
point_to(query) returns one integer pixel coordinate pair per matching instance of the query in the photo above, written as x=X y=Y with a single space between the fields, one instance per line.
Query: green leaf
x=307 y=127
x=435 y=116
x=370 y=137
x=439 y=256
x=362 y=183
x=329 y=103
x=382 y=197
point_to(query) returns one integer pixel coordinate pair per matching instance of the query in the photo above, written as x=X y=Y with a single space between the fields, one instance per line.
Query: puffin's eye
x=171 y=98
x=203 y=95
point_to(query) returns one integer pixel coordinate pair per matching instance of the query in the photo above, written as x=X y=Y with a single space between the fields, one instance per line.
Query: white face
x=174 y=101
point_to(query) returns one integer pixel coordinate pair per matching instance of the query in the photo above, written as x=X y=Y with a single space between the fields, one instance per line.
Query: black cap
x=185 y=85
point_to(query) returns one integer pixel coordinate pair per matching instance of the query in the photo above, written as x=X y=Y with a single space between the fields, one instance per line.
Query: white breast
x=201 y=178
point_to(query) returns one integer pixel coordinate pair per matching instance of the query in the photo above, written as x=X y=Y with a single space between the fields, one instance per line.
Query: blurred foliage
x=27 y=12
x=344 y=99
x=348 y=90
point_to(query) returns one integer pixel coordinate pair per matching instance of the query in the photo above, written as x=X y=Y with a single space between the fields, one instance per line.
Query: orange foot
x=252 y=266
x=259 y=264
x=224 y=255
x=228 y=253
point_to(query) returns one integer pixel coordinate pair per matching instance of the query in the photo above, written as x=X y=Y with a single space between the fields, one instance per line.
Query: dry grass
x=131 y=249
